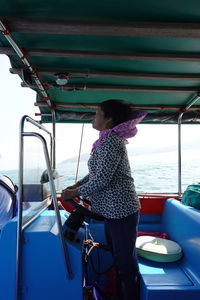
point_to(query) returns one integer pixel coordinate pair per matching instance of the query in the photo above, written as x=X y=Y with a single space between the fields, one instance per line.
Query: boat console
x=43 y=273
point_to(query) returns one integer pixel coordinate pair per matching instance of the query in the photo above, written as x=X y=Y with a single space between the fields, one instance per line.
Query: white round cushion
x=158 y=249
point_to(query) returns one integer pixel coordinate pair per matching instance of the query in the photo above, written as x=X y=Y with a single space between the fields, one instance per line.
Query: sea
x=152 y=173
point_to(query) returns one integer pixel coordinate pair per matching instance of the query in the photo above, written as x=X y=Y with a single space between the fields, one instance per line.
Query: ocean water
x=156 y=173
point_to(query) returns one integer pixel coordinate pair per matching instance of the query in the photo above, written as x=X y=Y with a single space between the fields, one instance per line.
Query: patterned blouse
x=109 y=183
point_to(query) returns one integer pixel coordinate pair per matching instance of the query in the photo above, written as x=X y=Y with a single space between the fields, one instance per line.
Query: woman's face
x=100 y=122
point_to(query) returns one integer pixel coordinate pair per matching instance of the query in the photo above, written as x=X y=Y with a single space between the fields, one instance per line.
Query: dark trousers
x=121 y=236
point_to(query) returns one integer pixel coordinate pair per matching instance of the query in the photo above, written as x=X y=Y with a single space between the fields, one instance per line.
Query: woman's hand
x=72 y=187
x=69 y=193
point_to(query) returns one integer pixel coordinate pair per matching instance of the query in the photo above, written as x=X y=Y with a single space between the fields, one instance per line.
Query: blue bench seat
x=163 y=274
x=181 y=279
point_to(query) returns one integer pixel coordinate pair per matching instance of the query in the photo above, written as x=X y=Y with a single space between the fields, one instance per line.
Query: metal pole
x=52 y=140
x=53 y=162
x=192 y=102
x=29 y=119
x=54 y=198
x=179 y=154
x=20 y=200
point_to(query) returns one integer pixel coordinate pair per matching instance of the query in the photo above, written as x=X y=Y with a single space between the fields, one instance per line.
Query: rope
x=78 y=162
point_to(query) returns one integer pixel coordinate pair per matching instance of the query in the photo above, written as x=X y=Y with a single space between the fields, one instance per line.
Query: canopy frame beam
x=102 y=28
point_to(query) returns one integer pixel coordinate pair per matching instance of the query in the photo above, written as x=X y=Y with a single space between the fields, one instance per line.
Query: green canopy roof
x=144 y=52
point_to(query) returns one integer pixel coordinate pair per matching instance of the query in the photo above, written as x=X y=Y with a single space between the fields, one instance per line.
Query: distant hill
x=141 y=151
x=156 y=149
x=33 y=176
x=84 y=157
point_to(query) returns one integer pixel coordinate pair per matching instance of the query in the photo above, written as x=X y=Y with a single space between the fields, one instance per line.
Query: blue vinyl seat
x=181 y=279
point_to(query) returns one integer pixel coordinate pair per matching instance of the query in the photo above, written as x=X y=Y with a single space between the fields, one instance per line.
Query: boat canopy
x=76 y=54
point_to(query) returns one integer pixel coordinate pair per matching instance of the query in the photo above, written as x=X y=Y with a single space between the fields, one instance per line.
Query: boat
x=74 y=55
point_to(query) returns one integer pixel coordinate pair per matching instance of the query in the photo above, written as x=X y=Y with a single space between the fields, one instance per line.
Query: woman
x=111 y=188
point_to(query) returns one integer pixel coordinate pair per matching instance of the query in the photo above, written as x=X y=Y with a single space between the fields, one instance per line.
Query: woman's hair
x=118 y=110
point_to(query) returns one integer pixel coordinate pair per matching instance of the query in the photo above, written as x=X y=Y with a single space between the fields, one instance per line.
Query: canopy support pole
x=179 y=154
x=54 y=139
x=197 y=97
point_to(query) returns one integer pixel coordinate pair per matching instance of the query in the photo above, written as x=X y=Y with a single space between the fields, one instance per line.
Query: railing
x=190 y=104
x=20 y=226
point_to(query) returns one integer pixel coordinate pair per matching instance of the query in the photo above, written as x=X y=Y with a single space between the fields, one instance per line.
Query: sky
x=17 y=101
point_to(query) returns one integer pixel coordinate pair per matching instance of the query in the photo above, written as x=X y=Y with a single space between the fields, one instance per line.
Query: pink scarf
x=124 y=130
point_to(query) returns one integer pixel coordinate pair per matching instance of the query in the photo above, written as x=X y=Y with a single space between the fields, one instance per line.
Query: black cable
x=98 y=264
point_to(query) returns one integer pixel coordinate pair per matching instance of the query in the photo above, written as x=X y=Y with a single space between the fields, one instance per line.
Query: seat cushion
x=163 y=274
x=158 y=249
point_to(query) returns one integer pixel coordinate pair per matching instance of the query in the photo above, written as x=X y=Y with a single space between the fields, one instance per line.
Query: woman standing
x=111 y=188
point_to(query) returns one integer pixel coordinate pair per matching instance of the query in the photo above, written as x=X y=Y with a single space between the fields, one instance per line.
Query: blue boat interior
x=43 y=273
x=144 y=52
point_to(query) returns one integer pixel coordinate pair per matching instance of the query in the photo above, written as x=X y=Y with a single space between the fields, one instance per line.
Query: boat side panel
x=8 y=261
x=44 y=273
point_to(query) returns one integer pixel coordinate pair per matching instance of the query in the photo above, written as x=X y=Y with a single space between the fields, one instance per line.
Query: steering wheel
x=83 y=210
